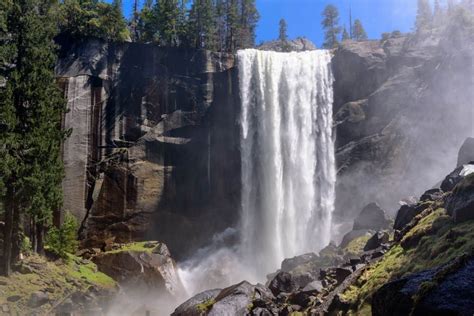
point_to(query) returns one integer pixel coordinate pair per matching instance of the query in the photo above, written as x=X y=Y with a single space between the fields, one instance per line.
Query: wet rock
x=372 y=216
x=260 y=311
x=38 y=299
x=460 y=205
x=282 y=282
x=431 y=195
x=291 y=263
x=447 y=290
x=297 y=45
x=466 y=152
x=353 y=234
x=314 y=287
x=341 y=274
x=376 y=240
x=190 y=307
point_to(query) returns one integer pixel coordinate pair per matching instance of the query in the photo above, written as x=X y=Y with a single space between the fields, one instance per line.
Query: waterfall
x=287 y=154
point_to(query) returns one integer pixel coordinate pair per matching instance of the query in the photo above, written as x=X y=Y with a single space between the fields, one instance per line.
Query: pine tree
x=221 y=32
x=424 y=16
x=345 y=35
x=165 y=22
x=232 y=25
x=31 y=107
x=282 y=34
x=202 y=25
x=359 y=32
x=331 y=25
x=134 y=22
x=248 y=22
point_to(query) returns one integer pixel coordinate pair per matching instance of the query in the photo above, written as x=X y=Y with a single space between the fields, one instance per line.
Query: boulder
x=350 y=236
x=194 y=305
x=38 y=299
x=341 y=274
x=371 y=217
x=460 y=205
x=431 y=195
x=447 y=290
x=466 y=152
x=406 y=213
x=456 y=176
x=283 y=282
x=291 y=263
x=299 y=44
x=146 y=265
x=376 y=241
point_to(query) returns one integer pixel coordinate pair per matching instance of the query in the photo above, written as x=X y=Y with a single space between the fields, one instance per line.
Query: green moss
x=206 y=305
x=440 y=242
x=87 y=271
x=134 y=246
x=356 y=246
x=297 y=314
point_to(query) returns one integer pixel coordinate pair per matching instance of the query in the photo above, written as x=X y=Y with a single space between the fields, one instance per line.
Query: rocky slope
x=421 y=266
x=399 y=105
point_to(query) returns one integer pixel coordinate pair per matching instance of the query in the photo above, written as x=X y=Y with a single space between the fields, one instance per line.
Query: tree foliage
x=345 y=35
x=359 y=33
x=63 y=240
x=331 y=26
x=282 y=34
x=424 y=15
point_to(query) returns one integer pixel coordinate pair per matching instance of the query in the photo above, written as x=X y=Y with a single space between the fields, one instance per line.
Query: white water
x=287 y=152
x=288 y=169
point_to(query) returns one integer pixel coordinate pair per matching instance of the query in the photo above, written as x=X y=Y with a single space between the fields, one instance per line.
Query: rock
x=376 y=241
x=447 y=290
x=299 y=44
x=460 y=205
x=353 y=234
x=13 y=298
x=341 y=274
x=456 y=176
x=291 y=263
x=406 y=213
x=313 y=287
x=38 y=299
x=466 y=152
x=431 y=195
x=152 y=268
x=189 y=308
x=259 y=311
x=371 y=217
x=282 y=282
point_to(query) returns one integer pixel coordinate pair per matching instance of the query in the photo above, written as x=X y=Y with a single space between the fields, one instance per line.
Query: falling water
x=287 y=153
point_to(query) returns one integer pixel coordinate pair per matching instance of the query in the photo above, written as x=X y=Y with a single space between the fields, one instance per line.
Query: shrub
x=62 y=241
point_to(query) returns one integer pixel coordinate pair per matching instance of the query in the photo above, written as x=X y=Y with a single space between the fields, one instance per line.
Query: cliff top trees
x=345 y=35
x=331 y=25
x=424 y=16
x=31 y=108
x=202 y=25
x=79 y=18
x=359 y=33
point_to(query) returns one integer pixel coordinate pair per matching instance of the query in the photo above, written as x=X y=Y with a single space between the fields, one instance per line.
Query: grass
x=134 y=246
x=440 y=241
x=356 y=246
x=58 y=279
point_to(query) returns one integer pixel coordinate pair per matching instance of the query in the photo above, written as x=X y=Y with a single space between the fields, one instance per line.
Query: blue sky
x=304 y=16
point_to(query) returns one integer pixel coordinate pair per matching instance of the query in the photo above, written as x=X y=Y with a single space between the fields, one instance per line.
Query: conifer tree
x=282 y=34
x=202 y=25
x=424 y=16
x=331 y=25
x=232 y=25
x=359 y=33
x=31 y=107
x=248 y=22
x=345 y=35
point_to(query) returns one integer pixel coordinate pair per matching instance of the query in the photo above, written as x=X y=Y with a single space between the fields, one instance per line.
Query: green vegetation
x=134 y=246
x=359 y=33
x=331 y=25
x=62 y=241
x=59 y=279
x=206 y=305
x=440 y=241
x=356 y=246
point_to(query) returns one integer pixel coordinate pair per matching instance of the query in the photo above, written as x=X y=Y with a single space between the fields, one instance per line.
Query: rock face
x=444 y=291
x=153 y=151
x=391 y=98
x=466 y=153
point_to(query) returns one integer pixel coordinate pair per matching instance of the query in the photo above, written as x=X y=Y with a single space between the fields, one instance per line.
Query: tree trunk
x=16 y=241
x=39 y=238
x=7 y=239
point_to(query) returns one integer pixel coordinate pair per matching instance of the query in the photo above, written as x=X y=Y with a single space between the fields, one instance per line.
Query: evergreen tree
x=31 y=108
x=248 y=22
x=80 y=18
x=282 y=35
x=134 y=22
x=331 y=25
x=202 y=25
x=423 y=16
x=359 y=32
x=345 y=35
x=232 y=25
x=147 y=26
x=221 y=30
x=167 y=16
